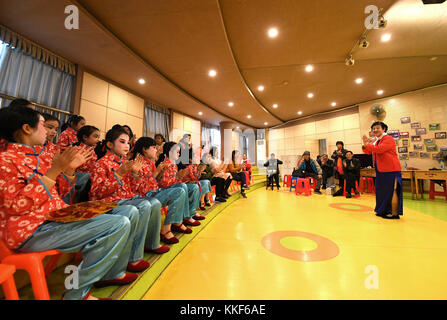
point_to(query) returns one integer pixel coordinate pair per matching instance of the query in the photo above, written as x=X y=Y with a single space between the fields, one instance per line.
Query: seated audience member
x=88 y=137
x=26 y=198
x=159 y=140
x=272 y=165
x=308 y=167
x=246 y=165
x=219 y=182
x=351 y=168
x=69 y=131
x=133 y=137
x=15 y=103
x=172 y=177
x=339 y=155
x=219 y=171
x=49 y=148
x=208 y=175
x=327 y=166
x=112 y=177
x=173 y=197
x=235 y=168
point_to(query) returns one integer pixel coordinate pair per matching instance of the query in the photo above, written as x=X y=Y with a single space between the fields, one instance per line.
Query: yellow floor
x=228 y=261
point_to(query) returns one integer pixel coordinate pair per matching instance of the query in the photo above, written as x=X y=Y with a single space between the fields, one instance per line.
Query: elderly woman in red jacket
x=389 y=200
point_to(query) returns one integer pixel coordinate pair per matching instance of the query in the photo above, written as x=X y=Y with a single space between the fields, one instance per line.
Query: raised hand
x=83 y=155
x=365 y=139
x=138 y=163
x=125 y=168
x=62 y=161
x=181 y=174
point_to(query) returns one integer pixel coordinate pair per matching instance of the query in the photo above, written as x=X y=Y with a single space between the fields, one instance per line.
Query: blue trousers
x=205 y=186
x=100 y=240
x=174 y=198
x=147 y=232
x=80 y=186
x=191 y=201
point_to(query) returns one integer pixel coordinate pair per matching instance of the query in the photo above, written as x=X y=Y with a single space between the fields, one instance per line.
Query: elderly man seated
x=308 y=167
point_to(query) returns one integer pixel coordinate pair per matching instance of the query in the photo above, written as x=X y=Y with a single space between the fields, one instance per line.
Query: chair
x=363 y=185
x=356 y=186
x=32 y=263
x=371 y=186
x=292 y=184
x=303 y=186
x=434 y=193
x=312 y=182
x=7 y=281
x=247 y=177
x=213 y=192
x=286 y=180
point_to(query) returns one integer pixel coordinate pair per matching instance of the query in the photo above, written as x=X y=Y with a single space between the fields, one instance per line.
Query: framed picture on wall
x=405 y=120
x=415 y=138
x=417 y=146
x=404 y=135
x=424 y=155
x=429 y=141
x=440 y=135
x=434 y=126
x=414 y=154
x=405 y=142
x=431 y=148
x=402 y=149
x=420 y=131
x=403 y=156
x=394 y=134
x=443 y=148
x=415 y=125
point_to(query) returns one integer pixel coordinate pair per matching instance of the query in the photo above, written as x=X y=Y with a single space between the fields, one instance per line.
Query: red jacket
x=67 y=138
x=385 y=151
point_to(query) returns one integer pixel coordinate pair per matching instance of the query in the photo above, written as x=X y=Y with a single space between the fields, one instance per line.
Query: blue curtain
x=156 y=122
x=23 y=76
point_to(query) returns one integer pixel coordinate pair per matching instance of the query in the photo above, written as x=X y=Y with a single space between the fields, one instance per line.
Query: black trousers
x=270 y=180
x=312 y=175
x=240 y=176
x=350 y=180
x=220 y=185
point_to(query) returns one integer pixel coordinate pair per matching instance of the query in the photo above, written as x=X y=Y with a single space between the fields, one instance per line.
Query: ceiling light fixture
x=273 y=32
x=358 y=80
x=230 y=104
x=249 y=116
x=310 y=95
x=380 y=92
x=200 y=113
x=275 y=106
x=261 y=88
x=212 y=73
x=300 y=112
x=266 y=123
x=333 y=104
x=349 y=61
x=309 y=68
x=386 y=37
x=141 y=81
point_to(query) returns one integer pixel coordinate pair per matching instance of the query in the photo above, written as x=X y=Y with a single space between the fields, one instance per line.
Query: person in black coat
x=351 y=167
x=272 y=171
x=327 y=165
x=338 y=156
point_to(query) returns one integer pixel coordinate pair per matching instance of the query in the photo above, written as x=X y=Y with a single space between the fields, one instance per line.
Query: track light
x=349 y=61
x=382 y=22
x=363 y=43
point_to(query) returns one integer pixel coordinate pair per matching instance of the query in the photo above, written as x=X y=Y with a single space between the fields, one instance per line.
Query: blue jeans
x=101 y=241
x=191 y=201
x=174 y=198
x=147 y=231
x=205 y=186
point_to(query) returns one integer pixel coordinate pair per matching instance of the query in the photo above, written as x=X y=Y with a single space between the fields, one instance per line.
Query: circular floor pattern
x=354 y=207
x=325 y=250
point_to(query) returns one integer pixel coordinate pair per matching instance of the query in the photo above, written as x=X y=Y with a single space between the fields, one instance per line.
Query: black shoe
x=245 y=187
x=244 y=195
x=356 y=192
x=207 y=204
x=317 y=192
x=348 y=196
x=390 y=216
x=219 y=199
x=324 y=188
x=226 y=194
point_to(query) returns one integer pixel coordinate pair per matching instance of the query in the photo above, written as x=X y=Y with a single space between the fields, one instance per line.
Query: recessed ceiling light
x=379 y=92
x=261 y=88
x=230 y=104
x=309 y=68
x=359 y=80
x=310 y=95
x=333 y=104
x=386 y=37
x=300 y=112
x=141 y=81
x=237 y=128
x=212 y=73
x=273 y=32
x=433 y=58
x=249 y=116
x=275 y=106
x=266 y=123
x=200 y=113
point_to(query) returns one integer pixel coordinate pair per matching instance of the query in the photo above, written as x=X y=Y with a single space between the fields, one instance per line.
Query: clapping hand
x=138 y=163
x=365 y=139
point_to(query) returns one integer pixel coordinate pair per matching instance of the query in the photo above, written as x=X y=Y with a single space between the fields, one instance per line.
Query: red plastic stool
x=312 y=182
x=356 y=186
x=7 y=281
x=363 y=185
x=213 y=192
x=32 y=263
x=371 y=186
x=164 y=211
x=434 y=193
x=247 y=177
x=303 y=186
x=286 y=181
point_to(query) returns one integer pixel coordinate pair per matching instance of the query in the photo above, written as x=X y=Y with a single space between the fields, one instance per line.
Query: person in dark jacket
x=351 y=167
x=308 y=167
x=327 y=165
x=339 y=155
x=272 y=171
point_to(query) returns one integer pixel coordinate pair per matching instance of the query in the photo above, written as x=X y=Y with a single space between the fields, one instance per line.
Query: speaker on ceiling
x=433 y=1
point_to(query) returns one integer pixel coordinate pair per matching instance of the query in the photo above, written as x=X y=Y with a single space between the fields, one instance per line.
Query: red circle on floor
x=360 y=207
x=326 y=249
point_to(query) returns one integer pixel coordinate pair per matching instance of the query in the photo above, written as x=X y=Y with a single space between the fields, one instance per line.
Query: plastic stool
x=356 y=186
x=434 y=193
x=7 y=281
x=164 y=211
x=312 y=182
x=371 y=186
x=286 y=180
x=303 y=186
x=32 y=263
x=247 y=177
x=293 y=185
x=363 y=185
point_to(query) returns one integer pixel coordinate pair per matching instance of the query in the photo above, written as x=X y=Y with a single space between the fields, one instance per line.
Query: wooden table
x=428 y=175
x=406 y=174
